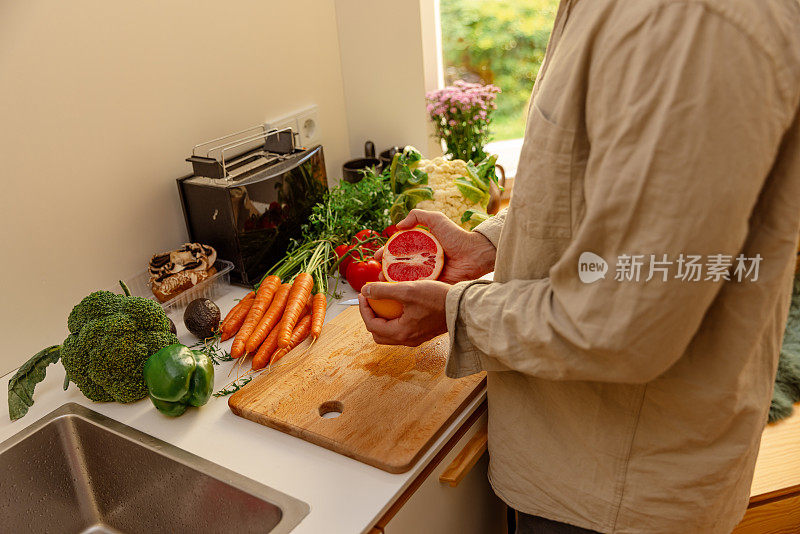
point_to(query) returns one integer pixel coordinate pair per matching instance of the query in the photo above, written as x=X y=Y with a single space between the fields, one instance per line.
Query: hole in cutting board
x=331 y=409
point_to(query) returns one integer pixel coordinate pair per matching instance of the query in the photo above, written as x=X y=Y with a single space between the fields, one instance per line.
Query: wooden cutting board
x=394 y=401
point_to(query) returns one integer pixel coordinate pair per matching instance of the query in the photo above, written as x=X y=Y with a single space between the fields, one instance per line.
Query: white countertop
x=345 y=496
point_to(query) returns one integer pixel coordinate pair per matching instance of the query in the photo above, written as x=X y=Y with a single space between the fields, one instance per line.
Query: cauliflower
x=448 y=198
x=459 y=189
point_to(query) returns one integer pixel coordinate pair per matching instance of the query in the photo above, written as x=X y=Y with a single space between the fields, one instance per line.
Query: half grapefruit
x=412 y=255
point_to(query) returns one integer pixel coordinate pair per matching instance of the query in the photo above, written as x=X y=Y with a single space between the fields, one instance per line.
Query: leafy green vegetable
x=487 y=168
x=411 y=156
x=348 y=208
x=344 y=211
x=472 y=193
x=111 y=336
x=407 y=201
x=405 y=177
x=482 y=175
x=398 y=211
x=418 y=194
x=403 y=173
x=22 y=384
x=475 y=179
x=474 y=217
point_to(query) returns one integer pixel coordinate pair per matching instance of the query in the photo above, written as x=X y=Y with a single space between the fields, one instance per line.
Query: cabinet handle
x=466 y=459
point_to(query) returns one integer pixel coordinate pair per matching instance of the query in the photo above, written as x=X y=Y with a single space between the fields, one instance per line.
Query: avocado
x=202 y=318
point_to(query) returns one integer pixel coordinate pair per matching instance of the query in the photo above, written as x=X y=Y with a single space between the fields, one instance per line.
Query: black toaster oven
x=249 y=207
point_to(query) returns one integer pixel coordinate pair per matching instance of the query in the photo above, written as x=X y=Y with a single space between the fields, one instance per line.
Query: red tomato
x=340 y=251
x=366 y=234
x=361 y=272
x=363 y=234
x=389 y=231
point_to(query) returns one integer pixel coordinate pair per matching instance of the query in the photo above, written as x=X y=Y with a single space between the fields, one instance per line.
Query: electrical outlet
x=308 y=124
x=304 y=123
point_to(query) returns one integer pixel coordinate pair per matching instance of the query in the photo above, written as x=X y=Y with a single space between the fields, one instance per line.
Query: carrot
x=299 y=334
x=233 y=321
x=228 y=317
x=298 y=297
x=270 y=319
x=318 y=306
x=261 y=358
x=261 y=302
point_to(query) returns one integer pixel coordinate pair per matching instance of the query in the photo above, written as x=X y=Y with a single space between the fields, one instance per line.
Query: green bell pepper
x=178 y=377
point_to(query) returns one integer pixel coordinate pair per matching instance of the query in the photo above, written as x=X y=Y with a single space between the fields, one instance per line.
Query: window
x=500 y=42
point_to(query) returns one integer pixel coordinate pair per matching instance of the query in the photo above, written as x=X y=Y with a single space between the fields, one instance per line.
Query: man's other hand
x=423 y=311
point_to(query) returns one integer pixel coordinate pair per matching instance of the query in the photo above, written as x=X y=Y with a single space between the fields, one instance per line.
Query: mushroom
x=189 y=257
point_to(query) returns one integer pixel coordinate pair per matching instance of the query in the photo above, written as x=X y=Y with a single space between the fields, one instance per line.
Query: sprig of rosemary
x=233 y=387
x=210 y=347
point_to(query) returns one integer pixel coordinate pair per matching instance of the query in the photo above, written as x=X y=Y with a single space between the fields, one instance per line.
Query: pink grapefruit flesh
x=412 y=255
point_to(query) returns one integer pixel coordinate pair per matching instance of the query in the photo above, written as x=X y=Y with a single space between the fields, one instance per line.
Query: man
x=662 y=135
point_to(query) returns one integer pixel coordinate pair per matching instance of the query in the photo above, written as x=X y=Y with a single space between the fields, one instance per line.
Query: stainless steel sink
x=77 y=471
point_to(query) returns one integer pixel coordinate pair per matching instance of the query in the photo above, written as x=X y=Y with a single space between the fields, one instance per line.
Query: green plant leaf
x=416 y=195
x=486 y=168
x=22 y=384
x=474 y=218
x=397 y=213
x=408 y=200
x=411 y=157
x=470 y=192
x=475 y=179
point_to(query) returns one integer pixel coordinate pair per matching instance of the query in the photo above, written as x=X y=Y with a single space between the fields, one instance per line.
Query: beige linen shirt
x=656 y=127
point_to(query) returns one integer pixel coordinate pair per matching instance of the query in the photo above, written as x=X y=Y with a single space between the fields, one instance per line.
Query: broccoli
x=111 y=336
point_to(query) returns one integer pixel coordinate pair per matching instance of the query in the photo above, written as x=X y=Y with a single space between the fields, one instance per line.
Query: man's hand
x=468 y=255
x=423 y=312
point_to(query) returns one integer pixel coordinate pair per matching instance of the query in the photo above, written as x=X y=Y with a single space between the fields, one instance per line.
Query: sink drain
x=331 y=409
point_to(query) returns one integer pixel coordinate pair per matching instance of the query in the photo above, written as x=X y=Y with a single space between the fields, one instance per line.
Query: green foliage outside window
x=500 y=42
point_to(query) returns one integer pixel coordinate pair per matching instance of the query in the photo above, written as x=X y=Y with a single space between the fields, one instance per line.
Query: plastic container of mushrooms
x=214 y=286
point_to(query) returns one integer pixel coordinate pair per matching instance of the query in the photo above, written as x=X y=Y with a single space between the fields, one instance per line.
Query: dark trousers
x=519 y=523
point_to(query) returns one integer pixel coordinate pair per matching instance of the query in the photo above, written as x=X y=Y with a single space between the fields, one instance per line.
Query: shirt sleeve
x=684 y=116
x=492 y=227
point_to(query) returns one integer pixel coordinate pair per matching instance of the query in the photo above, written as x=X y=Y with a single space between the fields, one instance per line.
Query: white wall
x=101 y=101
x=390 y=58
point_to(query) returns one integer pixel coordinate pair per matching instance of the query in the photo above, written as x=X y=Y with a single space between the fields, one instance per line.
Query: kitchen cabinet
x=430 y=505
x=779 y=514
x=466 y=505
x=775 y=496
